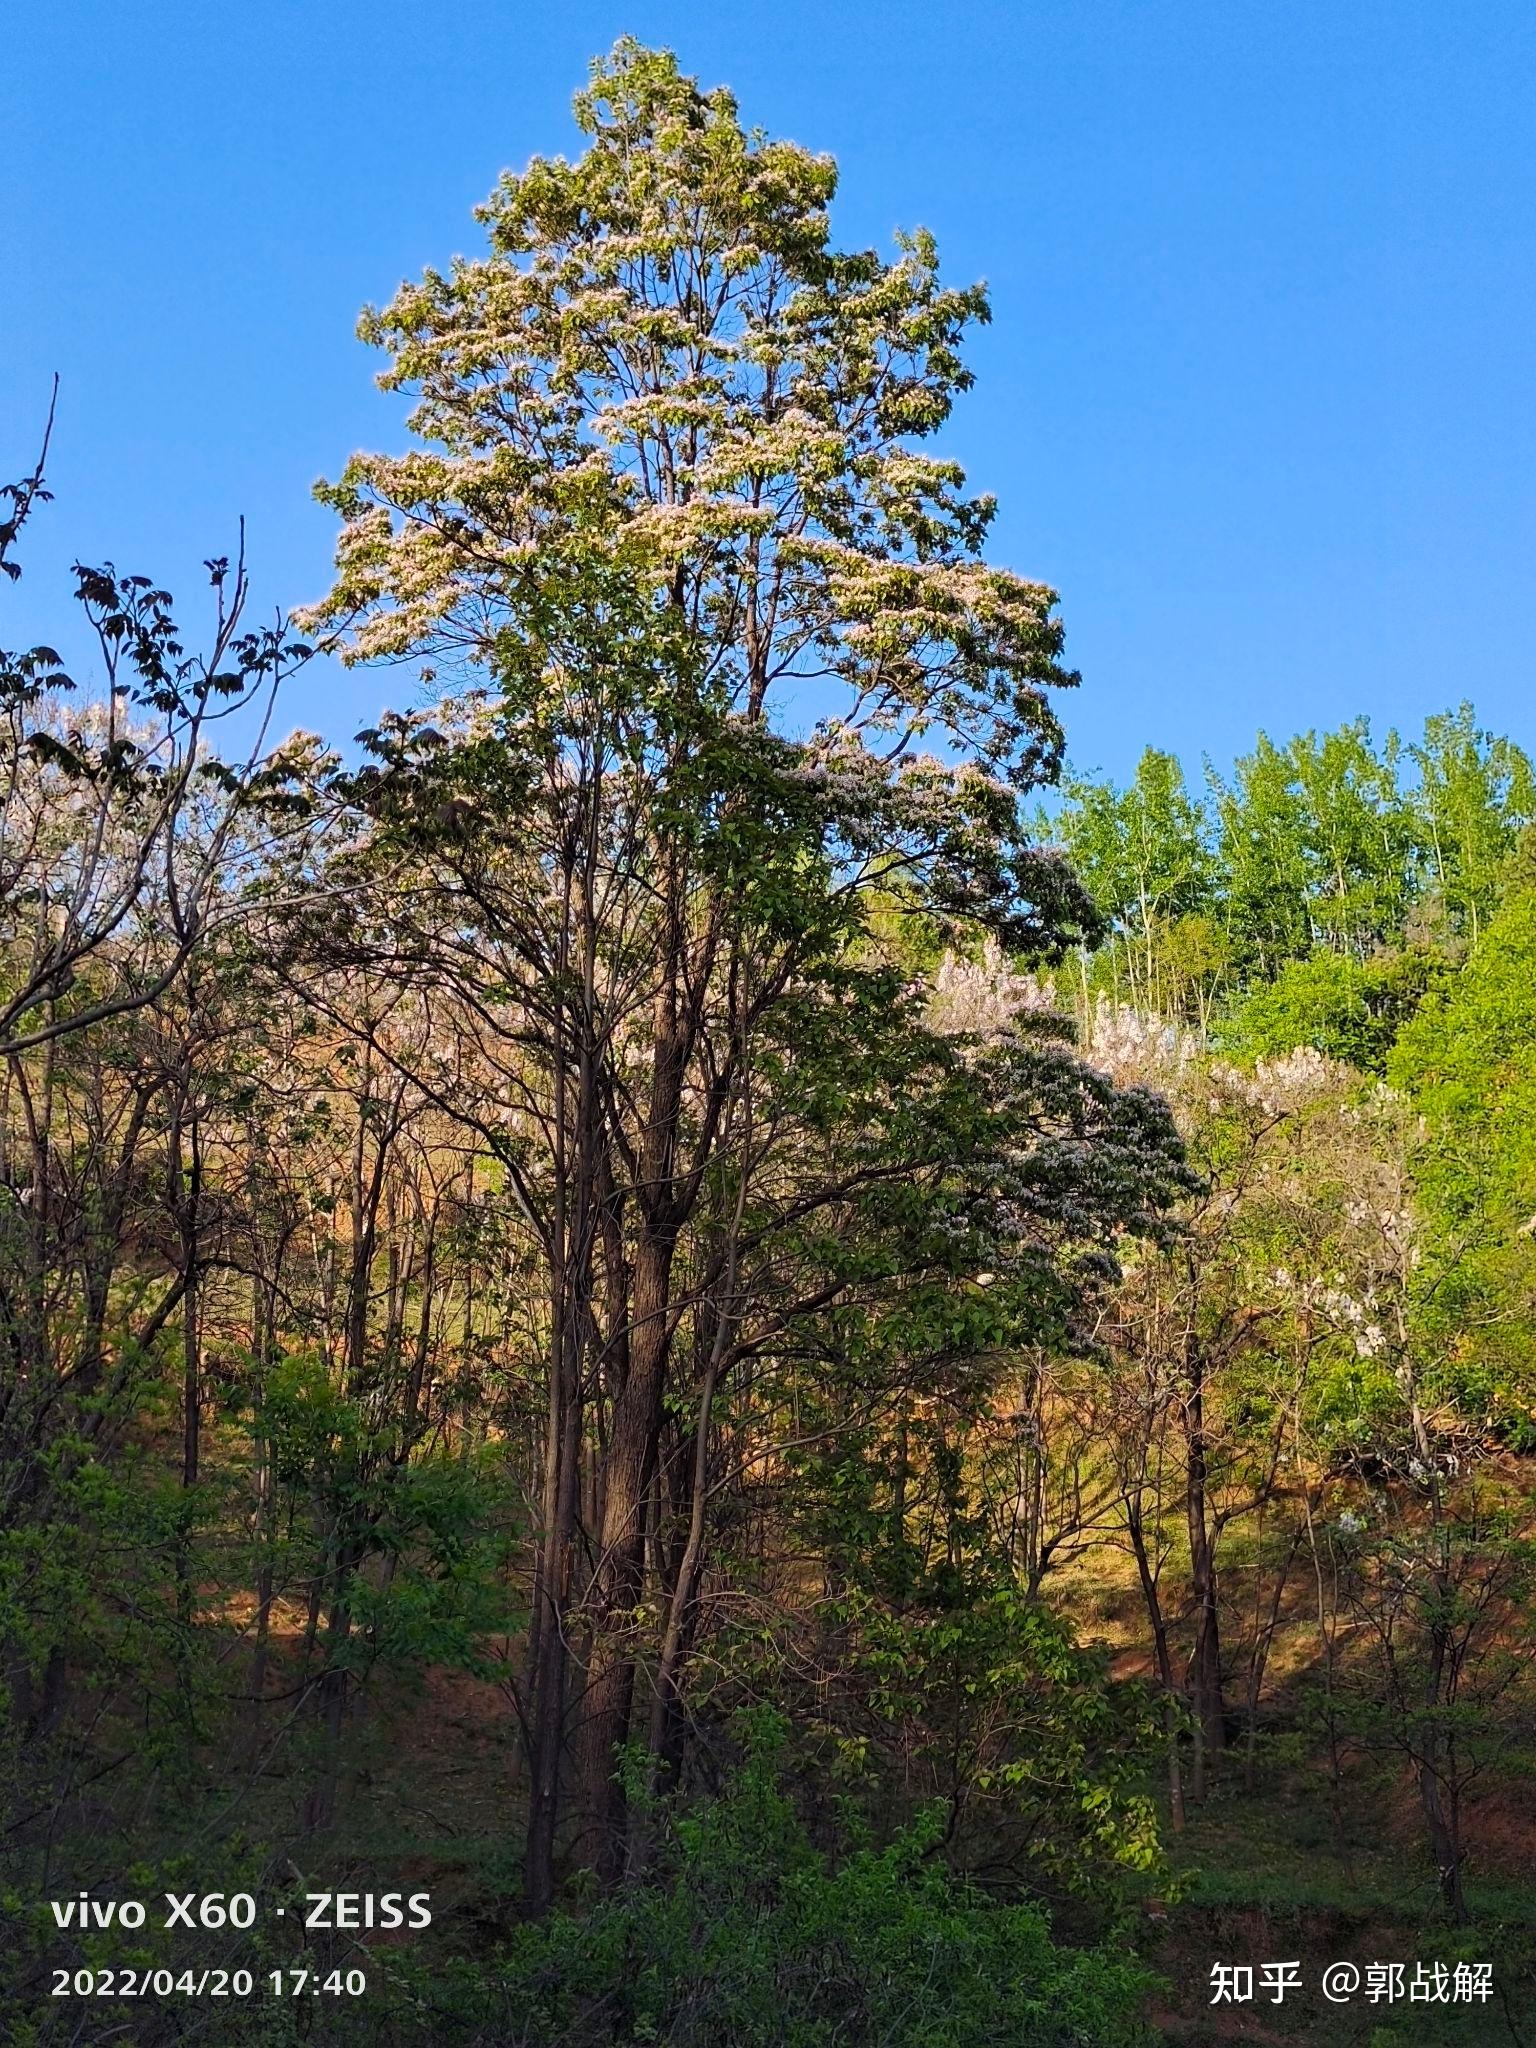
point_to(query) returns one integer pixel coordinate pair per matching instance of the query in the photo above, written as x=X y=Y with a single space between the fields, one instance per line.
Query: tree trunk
x=1205 y=1661
x=1159 y=1626
x=1444 y=1841
x=552 y=1645
x=617 y=1577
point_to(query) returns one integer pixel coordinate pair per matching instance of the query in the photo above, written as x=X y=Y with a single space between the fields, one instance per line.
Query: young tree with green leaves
x=1475 y=794
x=1144 y=854
x=1319 y=847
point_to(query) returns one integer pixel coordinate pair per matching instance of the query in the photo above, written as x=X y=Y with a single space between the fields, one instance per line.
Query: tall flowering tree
x=741 y=672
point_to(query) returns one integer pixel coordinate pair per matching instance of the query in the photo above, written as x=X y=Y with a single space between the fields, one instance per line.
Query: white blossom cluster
x=1133 y=1047
x=985 y=998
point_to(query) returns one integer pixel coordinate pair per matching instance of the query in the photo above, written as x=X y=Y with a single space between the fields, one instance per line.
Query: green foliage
x=943 y=1675
x=442 y=1529
x=1476 y=795
x=1341 y=871
x=1145 y=856
x=744 y=1931
x=1466 y=1062
x=1319 y=843
x=1351 y=1010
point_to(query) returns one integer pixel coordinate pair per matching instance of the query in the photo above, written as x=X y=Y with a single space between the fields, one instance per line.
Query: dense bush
x=743 y=1934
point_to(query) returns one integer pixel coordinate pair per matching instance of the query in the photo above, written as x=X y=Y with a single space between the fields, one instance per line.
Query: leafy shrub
x=742 y=1934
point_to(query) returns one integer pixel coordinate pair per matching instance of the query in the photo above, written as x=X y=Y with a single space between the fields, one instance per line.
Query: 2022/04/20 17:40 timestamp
x=296 y=1982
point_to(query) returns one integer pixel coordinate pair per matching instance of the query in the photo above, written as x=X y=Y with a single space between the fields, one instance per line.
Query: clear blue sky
x=1258 y=396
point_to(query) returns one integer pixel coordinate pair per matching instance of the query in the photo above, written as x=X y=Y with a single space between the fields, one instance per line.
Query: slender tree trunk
x=1327 y=1614
x=574 y=1218
x=550 y=1675
x=1159 y=1626
x=334 y=1688
x=1205 y=1662
x=1443 y=1820
x=1437 y=1788
x=1263 y=1641
x=617 y=1576
x=664 y=1701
